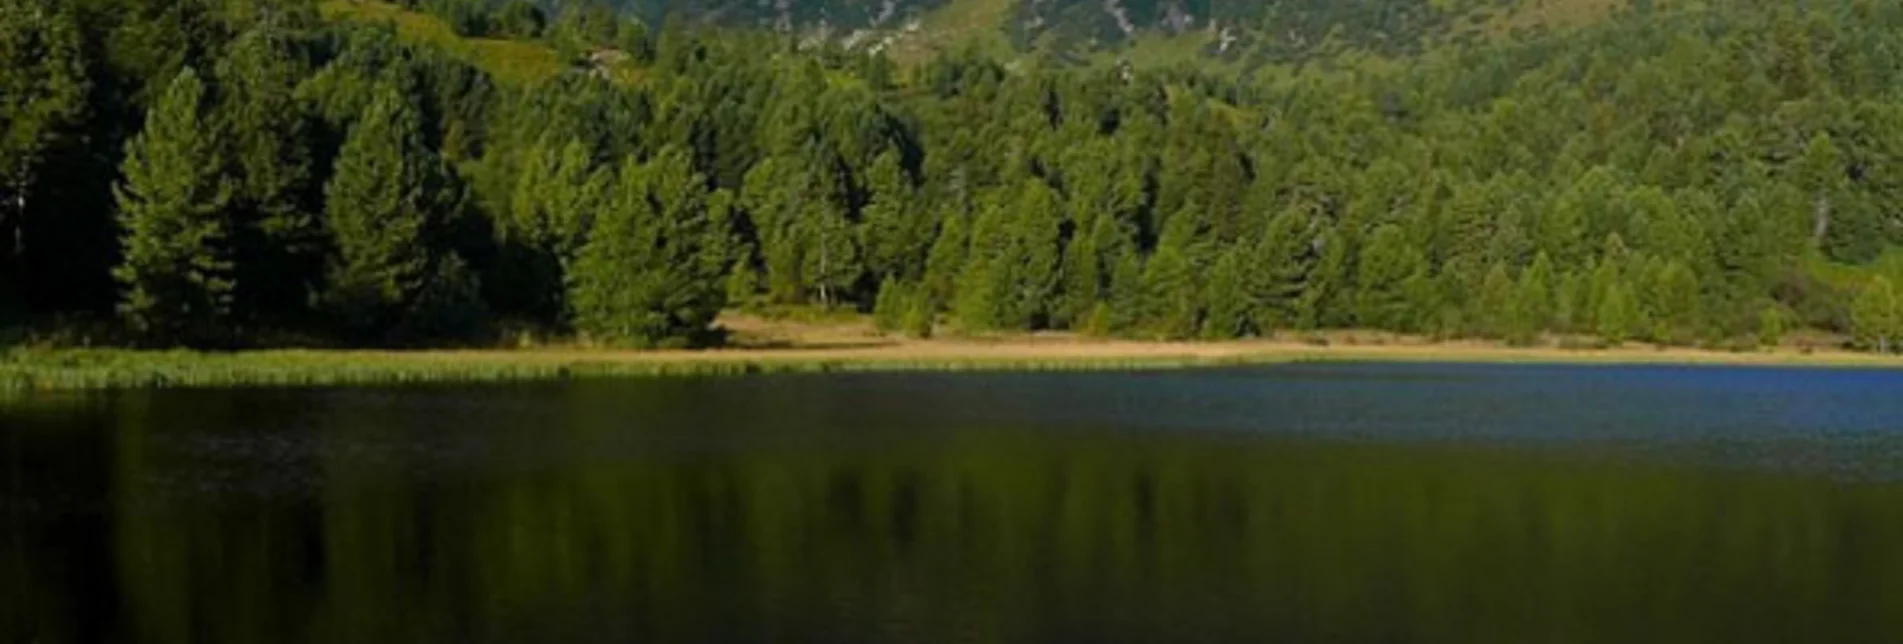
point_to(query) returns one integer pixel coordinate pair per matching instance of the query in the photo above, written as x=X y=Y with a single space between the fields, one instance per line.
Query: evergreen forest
x=242 y=173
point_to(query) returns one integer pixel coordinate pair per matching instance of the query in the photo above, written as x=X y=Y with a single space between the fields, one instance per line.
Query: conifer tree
x=1170 y=296
x=1278 y=268
x=983 y=297
x=1327 y=300
x=785 y=203
x=1493 y=311
x=43 y=85
x=177 y=271
x=1083 y=274
x=1533 y=301
x=1614 y=316
x=1126 y=303
x=919 y=316
x=833 y=261
x=1876 y=317
x=1227 y=299
x=1675 y=303
x=1036 y=255
x=652 y=271
x=890 y=307
x=743 y=280
x=1569 y=303
x=556 y=198
x=385 y=204
x=1386 y=265
x=947 y=256
x=893 y=245
x=277 y=235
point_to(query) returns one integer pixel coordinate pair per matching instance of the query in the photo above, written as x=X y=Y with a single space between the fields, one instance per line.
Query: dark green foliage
x=1533 y=302
x=895 y=242
x=1387 y=266
x=386 y=209
x=1876 y=316
x=1169 y=294
x=277 y=236
x=177 y=273
x=43 y=87
x=1615 y=314
x=651 y=273
x=1226 y=298
x=888 y=311
x=1632 y=179
x=903 y=308
x=518 y=19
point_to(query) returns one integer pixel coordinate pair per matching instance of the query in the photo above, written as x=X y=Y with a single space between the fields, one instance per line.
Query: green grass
x=956 y=25
x=508 y=60
x=26 y=371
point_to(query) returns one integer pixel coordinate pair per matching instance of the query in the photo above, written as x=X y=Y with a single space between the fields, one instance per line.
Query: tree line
x=238 y=172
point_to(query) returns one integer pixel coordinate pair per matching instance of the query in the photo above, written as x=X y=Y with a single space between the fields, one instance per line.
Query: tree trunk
x=1820 y=219
x=825 y=298
x=18 y=221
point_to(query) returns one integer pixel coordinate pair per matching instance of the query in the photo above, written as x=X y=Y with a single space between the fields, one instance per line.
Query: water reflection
x=559 y=514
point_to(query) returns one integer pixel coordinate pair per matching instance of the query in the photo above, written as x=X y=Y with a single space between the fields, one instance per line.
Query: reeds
x=23 y=371
x=96 y=369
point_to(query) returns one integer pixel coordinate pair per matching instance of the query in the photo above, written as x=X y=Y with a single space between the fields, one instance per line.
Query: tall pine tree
x=652 y=271
x=177 y=271
x=386 y=203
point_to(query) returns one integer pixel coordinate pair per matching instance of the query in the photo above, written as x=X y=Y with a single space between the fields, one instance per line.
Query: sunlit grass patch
x=508 y=60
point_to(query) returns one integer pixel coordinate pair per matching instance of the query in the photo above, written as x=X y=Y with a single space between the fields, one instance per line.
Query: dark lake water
x=1336 y=503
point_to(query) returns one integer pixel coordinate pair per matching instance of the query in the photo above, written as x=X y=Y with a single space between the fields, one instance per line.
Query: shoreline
x=26 y=371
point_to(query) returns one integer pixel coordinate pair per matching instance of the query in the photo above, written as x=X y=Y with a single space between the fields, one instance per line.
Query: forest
x=243 y=173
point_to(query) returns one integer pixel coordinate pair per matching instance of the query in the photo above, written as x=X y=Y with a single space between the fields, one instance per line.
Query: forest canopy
x=255 y=172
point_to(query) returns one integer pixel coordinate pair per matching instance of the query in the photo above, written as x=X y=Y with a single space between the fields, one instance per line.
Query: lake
x=1299 y=503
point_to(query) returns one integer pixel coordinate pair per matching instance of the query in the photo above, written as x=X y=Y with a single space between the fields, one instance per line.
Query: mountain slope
x=1234 y=30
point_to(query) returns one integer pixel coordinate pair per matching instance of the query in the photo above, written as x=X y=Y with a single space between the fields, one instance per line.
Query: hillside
x=1272 y=31
x=1564 y=171
x=507 y=60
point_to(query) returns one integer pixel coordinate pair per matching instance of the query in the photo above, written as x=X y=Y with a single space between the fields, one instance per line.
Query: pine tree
x=384 y=208
x=1532 y=301
x=277 y=235
x=1126 y=304
x=1675 y=303
x=743 y=280
x=891 y=306
x=1227 y=299
x=1875 y=316
x=1569 y=303
x=1493 y=308
x=43 y=86
x=1386 y=265
x=1614 y=317
x=1037 y=223
x=894 y=247
x=652 y=272
x=1327 y=297
x=556 y=198
x=1169 y=284
x=982 y=298
x=947 y=258
x=808 y=244
x=1773 y=322
x=1278 y=268
x=919 y=314
x=1083 y=271
x=177 y=271
x=1833 y=227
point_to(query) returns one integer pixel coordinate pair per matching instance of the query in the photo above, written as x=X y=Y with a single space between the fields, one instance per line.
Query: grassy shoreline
x=31 y=370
